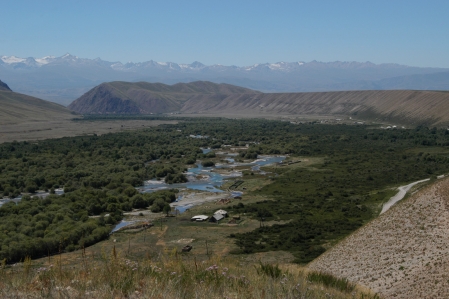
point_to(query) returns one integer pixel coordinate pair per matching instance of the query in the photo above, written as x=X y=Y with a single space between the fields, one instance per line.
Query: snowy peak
x=45 y=60
x=278 y=66
x=170 y=67
x=12 y=59
x=30 y=61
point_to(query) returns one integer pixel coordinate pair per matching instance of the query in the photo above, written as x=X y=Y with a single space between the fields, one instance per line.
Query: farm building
x=222 y=212
x=199 y=218
x=216 y=218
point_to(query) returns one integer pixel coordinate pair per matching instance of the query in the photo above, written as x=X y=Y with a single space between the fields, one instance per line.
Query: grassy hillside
x=20 y=108
x=115 y=274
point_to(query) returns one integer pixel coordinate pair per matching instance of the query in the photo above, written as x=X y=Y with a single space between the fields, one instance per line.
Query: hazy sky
x=229 y=32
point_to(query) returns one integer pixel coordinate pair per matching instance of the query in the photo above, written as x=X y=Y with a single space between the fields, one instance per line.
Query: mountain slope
x=400 y=106
x=4 y=86
x=147 y=98
x=401 y=254
x=19 y=108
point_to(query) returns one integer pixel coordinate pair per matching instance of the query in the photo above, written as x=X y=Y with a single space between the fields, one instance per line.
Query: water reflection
x=206 y=179
x=121 y=224
x=40 y=194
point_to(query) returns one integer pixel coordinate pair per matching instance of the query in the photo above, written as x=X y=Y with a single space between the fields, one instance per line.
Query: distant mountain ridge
x=207 y=98
x=65 y=78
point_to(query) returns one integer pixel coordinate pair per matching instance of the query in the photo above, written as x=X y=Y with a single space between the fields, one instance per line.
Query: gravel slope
x=403 y=253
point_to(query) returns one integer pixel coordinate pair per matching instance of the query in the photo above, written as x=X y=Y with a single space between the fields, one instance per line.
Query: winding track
x=400 y=195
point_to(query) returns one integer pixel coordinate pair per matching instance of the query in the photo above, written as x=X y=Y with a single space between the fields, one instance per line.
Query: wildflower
x=173 y=273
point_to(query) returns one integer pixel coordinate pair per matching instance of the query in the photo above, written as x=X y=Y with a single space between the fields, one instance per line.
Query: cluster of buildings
x=215 y=218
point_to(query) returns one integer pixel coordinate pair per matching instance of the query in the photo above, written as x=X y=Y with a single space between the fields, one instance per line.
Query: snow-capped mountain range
x=68 y=59
x=65 y=78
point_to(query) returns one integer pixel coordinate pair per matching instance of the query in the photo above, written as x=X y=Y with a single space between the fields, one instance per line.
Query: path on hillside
x=400 y=195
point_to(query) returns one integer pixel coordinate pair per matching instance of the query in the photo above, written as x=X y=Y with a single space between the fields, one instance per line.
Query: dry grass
x=174 y=275
x=18 y=108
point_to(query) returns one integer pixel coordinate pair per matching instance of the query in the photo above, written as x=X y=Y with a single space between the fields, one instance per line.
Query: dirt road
x=400 y=195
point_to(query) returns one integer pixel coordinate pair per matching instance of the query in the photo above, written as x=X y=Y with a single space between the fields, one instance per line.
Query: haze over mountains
x=63 y=79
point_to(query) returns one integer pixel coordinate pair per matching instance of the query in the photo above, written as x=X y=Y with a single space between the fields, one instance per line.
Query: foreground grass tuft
x=329 y=280
x=268 y=269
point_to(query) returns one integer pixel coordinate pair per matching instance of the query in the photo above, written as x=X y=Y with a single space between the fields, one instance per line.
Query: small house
x=216 y=218
x=222 y=212
x=199 y=218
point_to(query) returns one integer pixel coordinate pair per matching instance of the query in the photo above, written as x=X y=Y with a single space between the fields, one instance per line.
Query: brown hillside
x=401 y=106
x=397 y=106
x=401 y=254
x=147 y=98
x=19 y=108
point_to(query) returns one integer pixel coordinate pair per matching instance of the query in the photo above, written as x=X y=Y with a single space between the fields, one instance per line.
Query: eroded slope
x=400 y=106
x=402 y=254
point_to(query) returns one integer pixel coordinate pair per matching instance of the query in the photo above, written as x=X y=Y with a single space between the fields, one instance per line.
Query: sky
x=229 y=32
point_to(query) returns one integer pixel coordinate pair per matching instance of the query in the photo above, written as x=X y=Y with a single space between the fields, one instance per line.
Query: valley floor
x=67 y=128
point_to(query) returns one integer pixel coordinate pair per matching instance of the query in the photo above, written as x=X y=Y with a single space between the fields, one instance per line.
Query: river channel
x=208 y=178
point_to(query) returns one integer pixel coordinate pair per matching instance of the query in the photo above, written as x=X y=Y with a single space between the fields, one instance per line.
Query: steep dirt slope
x=403 y=253
x=400 y=106
x=19 y=108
